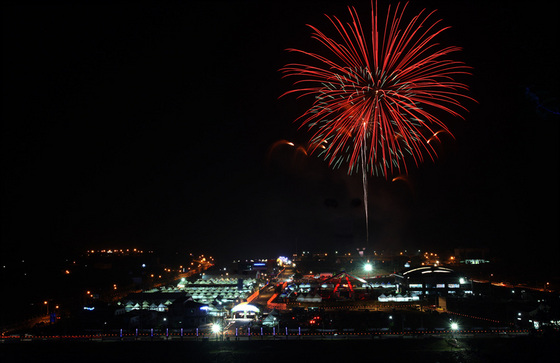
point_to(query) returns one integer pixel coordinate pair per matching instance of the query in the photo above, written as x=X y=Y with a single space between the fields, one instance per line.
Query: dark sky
x=151 y=124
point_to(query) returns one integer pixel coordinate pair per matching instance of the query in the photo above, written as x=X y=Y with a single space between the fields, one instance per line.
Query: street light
x=454 y=326
x=368 y=268
x=216 y=328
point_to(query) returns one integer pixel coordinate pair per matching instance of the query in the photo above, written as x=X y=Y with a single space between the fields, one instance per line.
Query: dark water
x=519 y=349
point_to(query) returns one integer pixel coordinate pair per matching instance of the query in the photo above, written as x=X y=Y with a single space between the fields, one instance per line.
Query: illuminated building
x=245 y=311
x=472 y=256
x=433 y=280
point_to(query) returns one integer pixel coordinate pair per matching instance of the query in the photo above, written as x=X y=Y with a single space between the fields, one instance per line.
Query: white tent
x=270 y=320
x=245 y=310
x=315 y=298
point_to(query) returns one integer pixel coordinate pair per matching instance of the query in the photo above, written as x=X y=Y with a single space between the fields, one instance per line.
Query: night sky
x=131 y=124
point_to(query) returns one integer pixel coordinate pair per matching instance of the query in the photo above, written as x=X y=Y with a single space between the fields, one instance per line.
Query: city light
x=216 y=328
x=301 y=289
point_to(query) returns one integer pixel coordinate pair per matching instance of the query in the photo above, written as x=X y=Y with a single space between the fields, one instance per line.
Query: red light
x=434 y=71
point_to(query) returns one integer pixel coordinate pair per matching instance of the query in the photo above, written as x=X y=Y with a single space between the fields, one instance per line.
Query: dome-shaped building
x=433 y=280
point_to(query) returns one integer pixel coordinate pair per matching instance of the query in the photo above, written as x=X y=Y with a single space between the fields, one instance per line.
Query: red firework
x=376 y=97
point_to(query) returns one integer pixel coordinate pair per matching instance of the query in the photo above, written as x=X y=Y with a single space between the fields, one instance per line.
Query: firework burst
x=378 y=97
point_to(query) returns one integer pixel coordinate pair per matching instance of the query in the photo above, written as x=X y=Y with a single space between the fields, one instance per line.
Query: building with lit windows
x=472 y=256
x=433 y=280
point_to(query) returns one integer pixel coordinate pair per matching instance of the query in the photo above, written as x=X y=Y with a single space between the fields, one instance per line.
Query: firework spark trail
x=364 y=185
x=377 y=100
